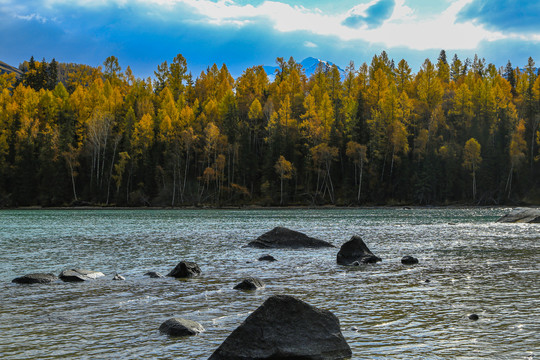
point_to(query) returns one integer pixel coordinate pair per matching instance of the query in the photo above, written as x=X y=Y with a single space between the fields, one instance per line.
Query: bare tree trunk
x=318 y=179
x=383 y=166
x=174 y=184
x=392 y=163
x=128 y=185
x=185 y=175
x=72 y=179
x=93 y=167
x=116 y=141
x=281 y=200
x=508 y=187
x=331 y=190
x=360 y=180
x=103 y=164
x=474 y=184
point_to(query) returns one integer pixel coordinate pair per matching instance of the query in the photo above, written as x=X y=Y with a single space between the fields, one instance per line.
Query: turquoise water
x=473 y=265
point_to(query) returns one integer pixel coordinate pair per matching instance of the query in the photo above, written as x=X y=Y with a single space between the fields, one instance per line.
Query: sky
x=241 y=34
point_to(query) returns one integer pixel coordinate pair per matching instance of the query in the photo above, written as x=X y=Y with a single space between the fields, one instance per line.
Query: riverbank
x=259 y=207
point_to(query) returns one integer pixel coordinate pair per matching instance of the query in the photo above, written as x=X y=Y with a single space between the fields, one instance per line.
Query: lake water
x=473 y=265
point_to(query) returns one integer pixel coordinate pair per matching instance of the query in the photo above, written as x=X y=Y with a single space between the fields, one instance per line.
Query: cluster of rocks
x=352 y=253
x=283 y=327
x=73 y=275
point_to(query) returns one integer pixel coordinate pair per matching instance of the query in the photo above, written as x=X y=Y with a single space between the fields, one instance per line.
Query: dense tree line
x=454 y=132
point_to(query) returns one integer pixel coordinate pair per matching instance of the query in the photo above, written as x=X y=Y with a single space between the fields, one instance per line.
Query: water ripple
x=468 y=264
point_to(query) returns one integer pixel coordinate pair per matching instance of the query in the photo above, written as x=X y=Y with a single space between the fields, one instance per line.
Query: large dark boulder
x=284 y=238
x=356 y=252
x=180 y=327
x=78 y=275
x=285 y=328
x=250 y=283
x=35 y=278
x=185 y=269
x=522 y=215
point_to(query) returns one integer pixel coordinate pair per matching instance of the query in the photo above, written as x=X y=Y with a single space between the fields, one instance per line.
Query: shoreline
x=258 y=207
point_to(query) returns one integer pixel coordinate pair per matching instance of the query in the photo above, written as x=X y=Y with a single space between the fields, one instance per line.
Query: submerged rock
x=355 y=252
x=267 y=258
x=185 y=269
x=285 y=328
x=284 y=238
x=153 y=274
x=409 y=260
x=118 y=277
x=35 y=278
x=181 y=327
x=522 y=215
x=250 y=283
x=78 y=275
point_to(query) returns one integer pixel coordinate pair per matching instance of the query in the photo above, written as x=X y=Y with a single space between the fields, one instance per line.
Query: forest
x=455 y=132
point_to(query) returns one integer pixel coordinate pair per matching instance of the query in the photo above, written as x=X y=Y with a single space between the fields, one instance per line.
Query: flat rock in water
x=250 y=283
x=77 y=275
x=356 y=252
x=35 y=278
x=153 y=274
x=522 y=215
x=267 y=258
x=284 y=238
x=185 y=269
x=285 y=328
x=180 y=327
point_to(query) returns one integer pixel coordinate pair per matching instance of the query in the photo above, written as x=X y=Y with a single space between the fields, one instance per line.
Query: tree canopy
x=377 y=133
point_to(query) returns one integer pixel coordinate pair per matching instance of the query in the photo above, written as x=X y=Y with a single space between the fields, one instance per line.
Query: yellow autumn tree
x=285 y=170
x=143 y=135
x=472 y=160
x=517 y=149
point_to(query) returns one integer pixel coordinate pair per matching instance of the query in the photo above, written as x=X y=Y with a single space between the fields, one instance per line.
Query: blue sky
x=240 y=33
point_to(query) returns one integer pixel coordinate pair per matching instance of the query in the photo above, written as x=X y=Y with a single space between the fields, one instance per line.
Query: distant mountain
x=8 y=69
x=309 y=65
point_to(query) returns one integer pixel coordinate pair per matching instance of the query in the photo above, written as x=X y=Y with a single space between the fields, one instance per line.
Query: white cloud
x=310 y=44
x=31 y=17
x=402 y=29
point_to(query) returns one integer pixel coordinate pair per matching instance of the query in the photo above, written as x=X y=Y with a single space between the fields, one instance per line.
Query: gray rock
x=185 y=269
x=409 y=260
x=180 y=327
x=154 y=275
x=267 y=258
x=118 y=277
x=250 y=283
x=356 y=252
x=284 y=238
x=285 y=328
x=522 y=215
x=35 y=278
x=77 y=275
